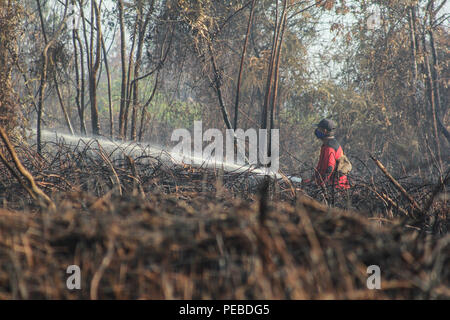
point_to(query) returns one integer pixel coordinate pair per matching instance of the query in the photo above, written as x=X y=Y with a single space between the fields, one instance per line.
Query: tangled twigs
x=136 y=180
x=35 y=192
x=396 y=184
x=171 y=234
x=107 y=161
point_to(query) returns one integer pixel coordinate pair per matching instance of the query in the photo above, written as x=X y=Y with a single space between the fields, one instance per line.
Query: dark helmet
x=328 y=124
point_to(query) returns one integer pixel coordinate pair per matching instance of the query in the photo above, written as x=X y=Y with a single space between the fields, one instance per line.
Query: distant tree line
x=136 y=69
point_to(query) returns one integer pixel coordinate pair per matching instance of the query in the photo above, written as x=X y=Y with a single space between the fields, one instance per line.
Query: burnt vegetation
x=142 y=227
x=139 y=228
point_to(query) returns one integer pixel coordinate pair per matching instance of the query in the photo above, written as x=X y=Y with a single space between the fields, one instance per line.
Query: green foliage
x=362 y=78
x=177 y=114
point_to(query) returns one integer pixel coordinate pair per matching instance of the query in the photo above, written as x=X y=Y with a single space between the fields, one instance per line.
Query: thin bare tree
x=44 y=57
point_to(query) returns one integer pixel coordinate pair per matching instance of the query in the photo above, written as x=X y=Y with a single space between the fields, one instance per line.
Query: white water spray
x=135 y=150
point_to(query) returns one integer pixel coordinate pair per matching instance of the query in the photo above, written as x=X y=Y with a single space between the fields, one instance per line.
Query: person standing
x=330 y=152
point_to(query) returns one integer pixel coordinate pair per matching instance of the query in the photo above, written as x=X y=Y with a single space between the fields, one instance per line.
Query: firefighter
x=330 y=152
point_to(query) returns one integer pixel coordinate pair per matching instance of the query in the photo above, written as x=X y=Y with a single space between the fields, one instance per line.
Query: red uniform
x=329 y=153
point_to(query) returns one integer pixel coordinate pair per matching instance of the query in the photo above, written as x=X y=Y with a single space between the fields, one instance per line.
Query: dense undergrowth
x=143 y=229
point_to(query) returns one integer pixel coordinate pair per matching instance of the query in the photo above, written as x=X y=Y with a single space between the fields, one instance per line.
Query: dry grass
x=147 y=231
